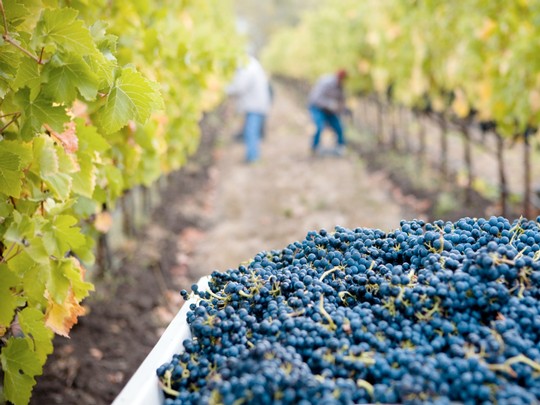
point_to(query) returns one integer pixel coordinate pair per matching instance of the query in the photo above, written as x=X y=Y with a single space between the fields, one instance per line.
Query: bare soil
x=215 y=214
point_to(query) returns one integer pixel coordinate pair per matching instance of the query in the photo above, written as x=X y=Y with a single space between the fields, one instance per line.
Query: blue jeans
x=322 y=118
x=253 y=126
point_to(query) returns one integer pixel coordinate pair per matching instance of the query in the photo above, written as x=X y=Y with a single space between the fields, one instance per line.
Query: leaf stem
x=4 y=17
x=6 y=259
x=11 y=41
x=13 y=119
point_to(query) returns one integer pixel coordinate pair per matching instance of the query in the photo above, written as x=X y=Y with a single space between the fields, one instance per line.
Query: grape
x=438 y=312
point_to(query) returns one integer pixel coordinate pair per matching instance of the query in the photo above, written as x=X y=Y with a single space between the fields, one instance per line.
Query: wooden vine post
x=503 y=183
x=465 y=131
x=443 y=153
x=527 y=176
x=380 y=123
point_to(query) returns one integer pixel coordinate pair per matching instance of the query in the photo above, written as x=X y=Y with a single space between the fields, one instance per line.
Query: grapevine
x=92 y=104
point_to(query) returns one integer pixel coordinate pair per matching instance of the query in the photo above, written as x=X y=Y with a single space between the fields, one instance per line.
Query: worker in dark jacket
x=326 y=103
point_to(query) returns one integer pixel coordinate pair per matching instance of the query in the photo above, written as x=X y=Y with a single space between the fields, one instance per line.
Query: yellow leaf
x=363 y=66
x=103 y=222
x=534 y=100
x=487 y=29
x=60 y=318
x=187 y=21
x=460 y=104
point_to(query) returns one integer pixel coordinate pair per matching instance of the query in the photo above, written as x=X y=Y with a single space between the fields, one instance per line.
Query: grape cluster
x=439 y=312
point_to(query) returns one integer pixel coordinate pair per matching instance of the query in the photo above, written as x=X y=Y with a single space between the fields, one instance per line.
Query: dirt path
x=279 y=199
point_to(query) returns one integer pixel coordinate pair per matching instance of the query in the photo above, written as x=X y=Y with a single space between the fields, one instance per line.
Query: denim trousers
x=325 y=118
x=253 y=126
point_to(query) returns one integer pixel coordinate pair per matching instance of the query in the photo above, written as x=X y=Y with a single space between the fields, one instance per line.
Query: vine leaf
x=84 y=181
x=60 y=318
x=34 y=275
x=20 y=365
x=20 y=230
x=61 y=27
x=62 y=235
x=68 y=138
x=8 y=298
x=9 y=61
x=28 y=76
x=10 y=174
x=52 y=167
x=65 y=75
x=58 y=284
x=133 y=97
x=32 y=322
x=89 y=138
x=75 y=273
x=38 y=112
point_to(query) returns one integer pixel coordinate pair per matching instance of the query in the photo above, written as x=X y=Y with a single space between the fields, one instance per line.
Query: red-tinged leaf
x=60 y=318
x=68 y=139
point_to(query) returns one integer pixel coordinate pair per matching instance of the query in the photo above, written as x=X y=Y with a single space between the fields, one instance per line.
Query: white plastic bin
x=143 y=387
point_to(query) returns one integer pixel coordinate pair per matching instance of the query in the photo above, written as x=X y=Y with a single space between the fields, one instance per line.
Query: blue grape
x=437 y=313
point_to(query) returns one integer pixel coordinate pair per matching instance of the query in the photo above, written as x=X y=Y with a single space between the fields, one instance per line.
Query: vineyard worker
x=326 y=103
x=250 y=86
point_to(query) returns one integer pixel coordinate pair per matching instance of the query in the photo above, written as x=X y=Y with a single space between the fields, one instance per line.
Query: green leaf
x=54 y=207
x=61 y=236
x=10 y=174
x=48 y=164
x=45 y=157
x=80 y=288
x=85 y=207
x=8 y=295
x=115 y=181
x=20 y=365
x=38 y=112
x=59 y=184
x=22 y=149
x=131 y=98
x=6 y=208
x=15 y=11
x=85 y=253
x=61 y=27
x=84 y=181
x=104 y=70
x=39 y=337
x=20 y=230
x=90 y=140
x=34 y=276
x=106 y=42
x=65 y=75
x=9 y=63
x=58 y=284
x=36 y=250
x=28 y=76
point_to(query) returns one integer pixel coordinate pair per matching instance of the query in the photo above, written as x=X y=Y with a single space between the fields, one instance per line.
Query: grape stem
x=328 y=272
x=365 y=385
x=507 y=365
x=331 y=323
x=245 y=294
x=166 y=386
x=214 y=295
